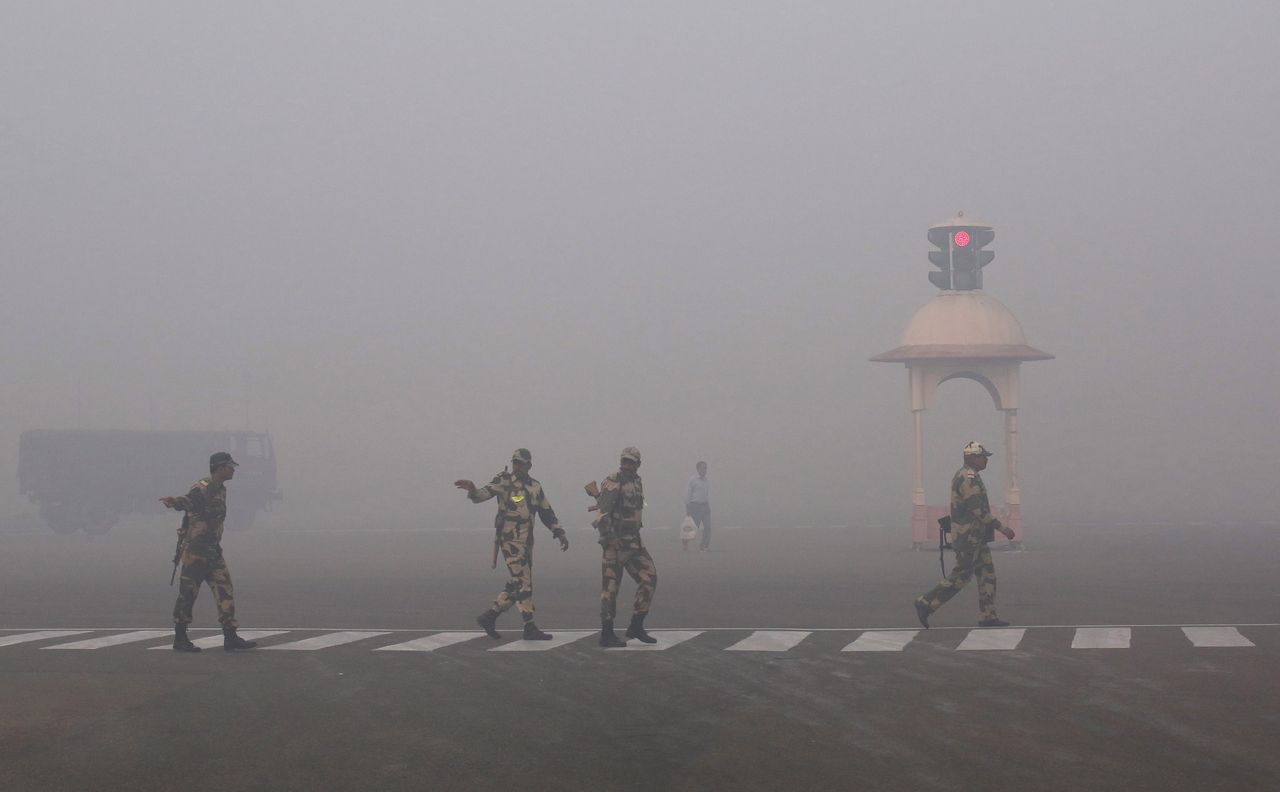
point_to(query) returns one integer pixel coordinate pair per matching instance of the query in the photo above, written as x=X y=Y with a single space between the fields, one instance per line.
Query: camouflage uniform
x=972 y=526
x=202 y=561
x=519 y=498
x=621 y=502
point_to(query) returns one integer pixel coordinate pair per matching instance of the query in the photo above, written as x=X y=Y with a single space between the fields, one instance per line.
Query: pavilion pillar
x=1013 y=492
x=919 y=509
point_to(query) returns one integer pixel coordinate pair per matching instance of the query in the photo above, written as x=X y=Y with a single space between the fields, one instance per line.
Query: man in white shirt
x=697 y=503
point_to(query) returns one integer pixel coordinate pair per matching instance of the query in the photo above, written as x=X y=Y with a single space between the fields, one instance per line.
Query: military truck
x=88 y=480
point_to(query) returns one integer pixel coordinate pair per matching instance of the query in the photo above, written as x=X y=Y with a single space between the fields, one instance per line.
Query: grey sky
x=407 y=238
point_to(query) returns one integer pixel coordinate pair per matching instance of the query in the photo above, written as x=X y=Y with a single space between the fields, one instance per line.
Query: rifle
x=944 y=528
x=593 y=490
x=497 y=531
x=497 y=538
x=182 y=541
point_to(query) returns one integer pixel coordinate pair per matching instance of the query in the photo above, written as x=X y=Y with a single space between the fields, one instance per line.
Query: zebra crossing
x=756 y=641
x=882 y=641
x=1102 y=638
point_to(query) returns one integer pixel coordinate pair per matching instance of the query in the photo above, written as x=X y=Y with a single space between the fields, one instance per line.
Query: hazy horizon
x=408 y=239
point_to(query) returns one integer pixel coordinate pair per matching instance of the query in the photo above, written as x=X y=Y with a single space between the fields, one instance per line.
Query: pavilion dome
x=963 y=317
x=963 y=324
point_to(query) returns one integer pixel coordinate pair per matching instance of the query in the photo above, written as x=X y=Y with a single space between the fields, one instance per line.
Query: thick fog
x=408 y=238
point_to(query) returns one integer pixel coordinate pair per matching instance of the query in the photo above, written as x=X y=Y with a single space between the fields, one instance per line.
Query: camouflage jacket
x=518 y=500
x=971 y=519
x=620 y=504
x=206 y=508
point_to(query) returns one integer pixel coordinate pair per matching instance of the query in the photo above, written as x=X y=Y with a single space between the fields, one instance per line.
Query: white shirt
x=699 y=490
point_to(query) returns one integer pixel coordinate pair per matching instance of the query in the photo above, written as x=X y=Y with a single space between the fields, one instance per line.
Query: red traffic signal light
x=960 y=255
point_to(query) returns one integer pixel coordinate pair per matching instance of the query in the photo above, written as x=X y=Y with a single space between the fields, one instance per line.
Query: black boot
x=181 y=643
x=489 y=621
x=922 y=612
x=231 y=641
x=636 y=630
x=608 y=639
x=532 y=633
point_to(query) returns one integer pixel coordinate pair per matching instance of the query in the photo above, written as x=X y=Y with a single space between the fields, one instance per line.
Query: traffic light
x=960 y=255
x=941 y=238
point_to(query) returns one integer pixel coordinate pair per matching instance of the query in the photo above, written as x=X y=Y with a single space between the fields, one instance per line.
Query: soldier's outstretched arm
x=193 y=501
x=481 y=494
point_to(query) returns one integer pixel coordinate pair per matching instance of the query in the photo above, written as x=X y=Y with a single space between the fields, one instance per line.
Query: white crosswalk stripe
x=764 y=641
x=987 y=640
x=559 y=638
x=215 y=641
x=666 y=640
x=1101 y=638
x=769 y=641
x=38 y=635
x=113 y=640
x=431 y=642
x=1216 y=636
x=325 y=641
x=882 y=641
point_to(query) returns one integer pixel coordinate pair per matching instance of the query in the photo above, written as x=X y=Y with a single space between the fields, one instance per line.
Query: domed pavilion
x=963 y=333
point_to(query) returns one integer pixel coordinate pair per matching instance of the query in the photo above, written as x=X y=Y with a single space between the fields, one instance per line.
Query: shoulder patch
x=609 y=485
x=970 y=474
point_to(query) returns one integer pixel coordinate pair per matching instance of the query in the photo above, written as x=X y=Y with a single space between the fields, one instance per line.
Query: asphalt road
x=1156 y=711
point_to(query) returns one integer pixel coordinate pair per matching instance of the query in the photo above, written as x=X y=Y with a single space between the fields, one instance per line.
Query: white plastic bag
x=688 y=529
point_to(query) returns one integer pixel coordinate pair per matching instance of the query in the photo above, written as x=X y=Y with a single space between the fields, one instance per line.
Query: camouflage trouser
x=632 y=556
x=208 y=568
x=969 y=562
x=517 y=551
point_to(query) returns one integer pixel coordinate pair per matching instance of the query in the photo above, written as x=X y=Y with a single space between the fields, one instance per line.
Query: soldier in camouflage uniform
x=972 y=526
x=519 y=498
x=200 y=548
x=620 y=503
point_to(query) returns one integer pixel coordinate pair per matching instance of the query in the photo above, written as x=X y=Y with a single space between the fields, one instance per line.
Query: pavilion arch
x=974 y=376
